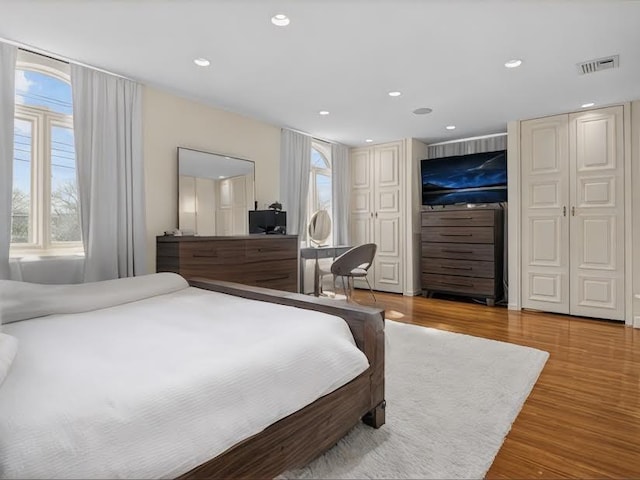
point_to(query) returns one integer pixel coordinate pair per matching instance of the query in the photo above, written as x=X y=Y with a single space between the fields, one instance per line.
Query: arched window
x=45 y=208
x=320 y=196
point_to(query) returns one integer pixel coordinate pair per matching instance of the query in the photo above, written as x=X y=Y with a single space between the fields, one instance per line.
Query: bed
x=155 y=378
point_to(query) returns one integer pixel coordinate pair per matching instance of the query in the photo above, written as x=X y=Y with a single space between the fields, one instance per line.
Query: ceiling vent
x=598 y=64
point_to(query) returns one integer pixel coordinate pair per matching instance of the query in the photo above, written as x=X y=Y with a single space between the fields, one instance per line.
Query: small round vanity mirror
x=320 y=227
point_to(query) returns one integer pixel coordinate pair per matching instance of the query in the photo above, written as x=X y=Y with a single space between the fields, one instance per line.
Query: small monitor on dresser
x=268 y=221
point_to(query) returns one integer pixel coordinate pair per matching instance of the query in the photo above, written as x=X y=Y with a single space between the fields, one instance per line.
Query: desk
x=318 y=253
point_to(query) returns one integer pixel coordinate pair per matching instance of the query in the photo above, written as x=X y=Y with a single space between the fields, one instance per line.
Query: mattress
x=155 y=387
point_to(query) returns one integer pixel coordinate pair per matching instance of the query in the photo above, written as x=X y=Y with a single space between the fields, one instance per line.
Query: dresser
x=269 y=261
x=462 y=252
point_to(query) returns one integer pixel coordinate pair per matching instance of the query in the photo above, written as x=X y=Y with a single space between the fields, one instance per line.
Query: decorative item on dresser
x=462 y=252
x=269 y=261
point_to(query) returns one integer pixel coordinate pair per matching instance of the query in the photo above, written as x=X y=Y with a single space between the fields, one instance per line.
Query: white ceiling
x=345 y=55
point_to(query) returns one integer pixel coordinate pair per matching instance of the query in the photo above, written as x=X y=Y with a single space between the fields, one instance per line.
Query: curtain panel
x=295 y=168
x=341 y=192
x=107 y=122
x=8 y=55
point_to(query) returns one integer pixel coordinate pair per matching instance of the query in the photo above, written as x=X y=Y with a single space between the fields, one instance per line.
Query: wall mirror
x=319 y=228
x=215 y=193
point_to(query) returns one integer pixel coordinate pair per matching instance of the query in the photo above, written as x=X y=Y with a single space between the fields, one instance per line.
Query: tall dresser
x=269 y=261
x=462 y=252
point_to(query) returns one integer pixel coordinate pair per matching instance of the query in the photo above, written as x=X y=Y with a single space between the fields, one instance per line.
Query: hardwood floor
x=582 y=419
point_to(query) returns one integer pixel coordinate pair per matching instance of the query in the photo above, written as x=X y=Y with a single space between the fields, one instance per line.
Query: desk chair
x=354 y=263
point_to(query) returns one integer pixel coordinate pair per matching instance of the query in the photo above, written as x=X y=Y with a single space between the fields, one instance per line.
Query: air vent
x=598 y=64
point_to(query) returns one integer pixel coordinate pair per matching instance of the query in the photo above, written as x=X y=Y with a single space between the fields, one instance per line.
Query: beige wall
x=170 y=122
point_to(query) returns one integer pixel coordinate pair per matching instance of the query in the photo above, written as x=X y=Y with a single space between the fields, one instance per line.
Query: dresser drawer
x=458 y=218
x=280 y=275
x=458 y=234
x=470 y=251
x=219 y=252
x=471 y=286
x=271 y=249
x=450 y=266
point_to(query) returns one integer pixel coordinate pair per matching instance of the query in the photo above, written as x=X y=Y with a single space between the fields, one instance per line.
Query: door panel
x=361 y=169
x=545 y=225
x=387 y=264
x=597 y=214
x=387 y=166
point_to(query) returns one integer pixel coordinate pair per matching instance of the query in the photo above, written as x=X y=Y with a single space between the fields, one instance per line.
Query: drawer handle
x=457 y=251
x=456 y=268
x=285 y=277
x=456 y=218
x=456 y=234
x=206 y=255
x=457 y=284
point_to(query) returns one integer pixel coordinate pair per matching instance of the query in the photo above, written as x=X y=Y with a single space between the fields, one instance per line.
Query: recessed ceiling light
x=280 y=20
x=422 y=111
x=395 y=94
x=450 y=127
x=202 y=62
x=587 y=105
x=221 y=176
x=368 y=140
x=513 y=63
x=323 y=112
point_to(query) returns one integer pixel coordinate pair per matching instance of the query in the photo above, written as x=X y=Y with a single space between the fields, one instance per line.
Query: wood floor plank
x=582 y=419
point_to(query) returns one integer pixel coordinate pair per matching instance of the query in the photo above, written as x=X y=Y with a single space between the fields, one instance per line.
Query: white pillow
x=8 y=349
x=22 y=300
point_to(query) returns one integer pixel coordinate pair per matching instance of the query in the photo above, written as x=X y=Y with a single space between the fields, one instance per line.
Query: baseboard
x=636 y=321
x=513 y=306
x=412 y=294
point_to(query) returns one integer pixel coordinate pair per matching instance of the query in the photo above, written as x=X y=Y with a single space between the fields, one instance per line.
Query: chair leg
x=370 y=289
x=344 y=289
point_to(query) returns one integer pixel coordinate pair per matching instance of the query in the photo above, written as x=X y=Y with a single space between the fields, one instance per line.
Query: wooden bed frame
x=302 y=436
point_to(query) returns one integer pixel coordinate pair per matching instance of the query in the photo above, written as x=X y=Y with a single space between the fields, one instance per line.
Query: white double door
x=573 y=214
x=376 y=211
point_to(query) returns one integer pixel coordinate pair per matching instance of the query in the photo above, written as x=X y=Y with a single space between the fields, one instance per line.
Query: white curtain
x=107 y=126
x=295 y=167
x=8 y=54
x=341 y=193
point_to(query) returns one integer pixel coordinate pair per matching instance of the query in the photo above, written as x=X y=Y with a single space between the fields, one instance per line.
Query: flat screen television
x=474 y=178
x=267 y=221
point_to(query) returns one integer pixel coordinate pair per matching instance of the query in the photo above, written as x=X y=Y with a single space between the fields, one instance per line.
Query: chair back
x=358 y=257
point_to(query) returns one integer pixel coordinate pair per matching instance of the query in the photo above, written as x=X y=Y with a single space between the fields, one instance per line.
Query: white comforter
x=143 y=390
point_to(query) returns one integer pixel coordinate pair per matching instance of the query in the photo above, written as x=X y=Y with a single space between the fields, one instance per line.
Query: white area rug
x=451 y=400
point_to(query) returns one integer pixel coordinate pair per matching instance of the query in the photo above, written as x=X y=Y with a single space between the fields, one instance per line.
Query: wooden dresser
x=269 y=261
x=462 y=252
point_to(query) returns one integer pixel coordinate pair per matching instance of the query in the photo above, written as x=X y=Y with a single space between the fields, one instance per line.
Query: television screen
x=474 y=178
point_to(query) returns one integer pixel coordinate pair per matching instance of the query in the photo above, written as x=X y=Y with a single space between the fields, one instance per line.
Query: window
x=320 y=180
x=45 y=217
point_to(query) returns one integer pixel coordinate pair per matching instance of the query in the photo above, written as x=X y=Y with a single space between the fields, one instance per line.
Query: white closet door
x=387 y=218
x=205 y=206
x=361 y=197
x=597 y=221
x=545 y=221
x=239 y=207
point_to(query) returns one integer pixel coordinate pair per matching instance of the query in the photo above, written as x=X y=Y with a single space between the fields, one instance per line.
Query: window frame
x=42 y=121
x=324 y=150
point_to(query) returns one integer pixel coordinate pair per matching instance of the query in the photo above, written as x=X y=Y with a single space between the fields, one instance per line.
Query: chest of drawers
x=462 y=252
x=269 y=261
